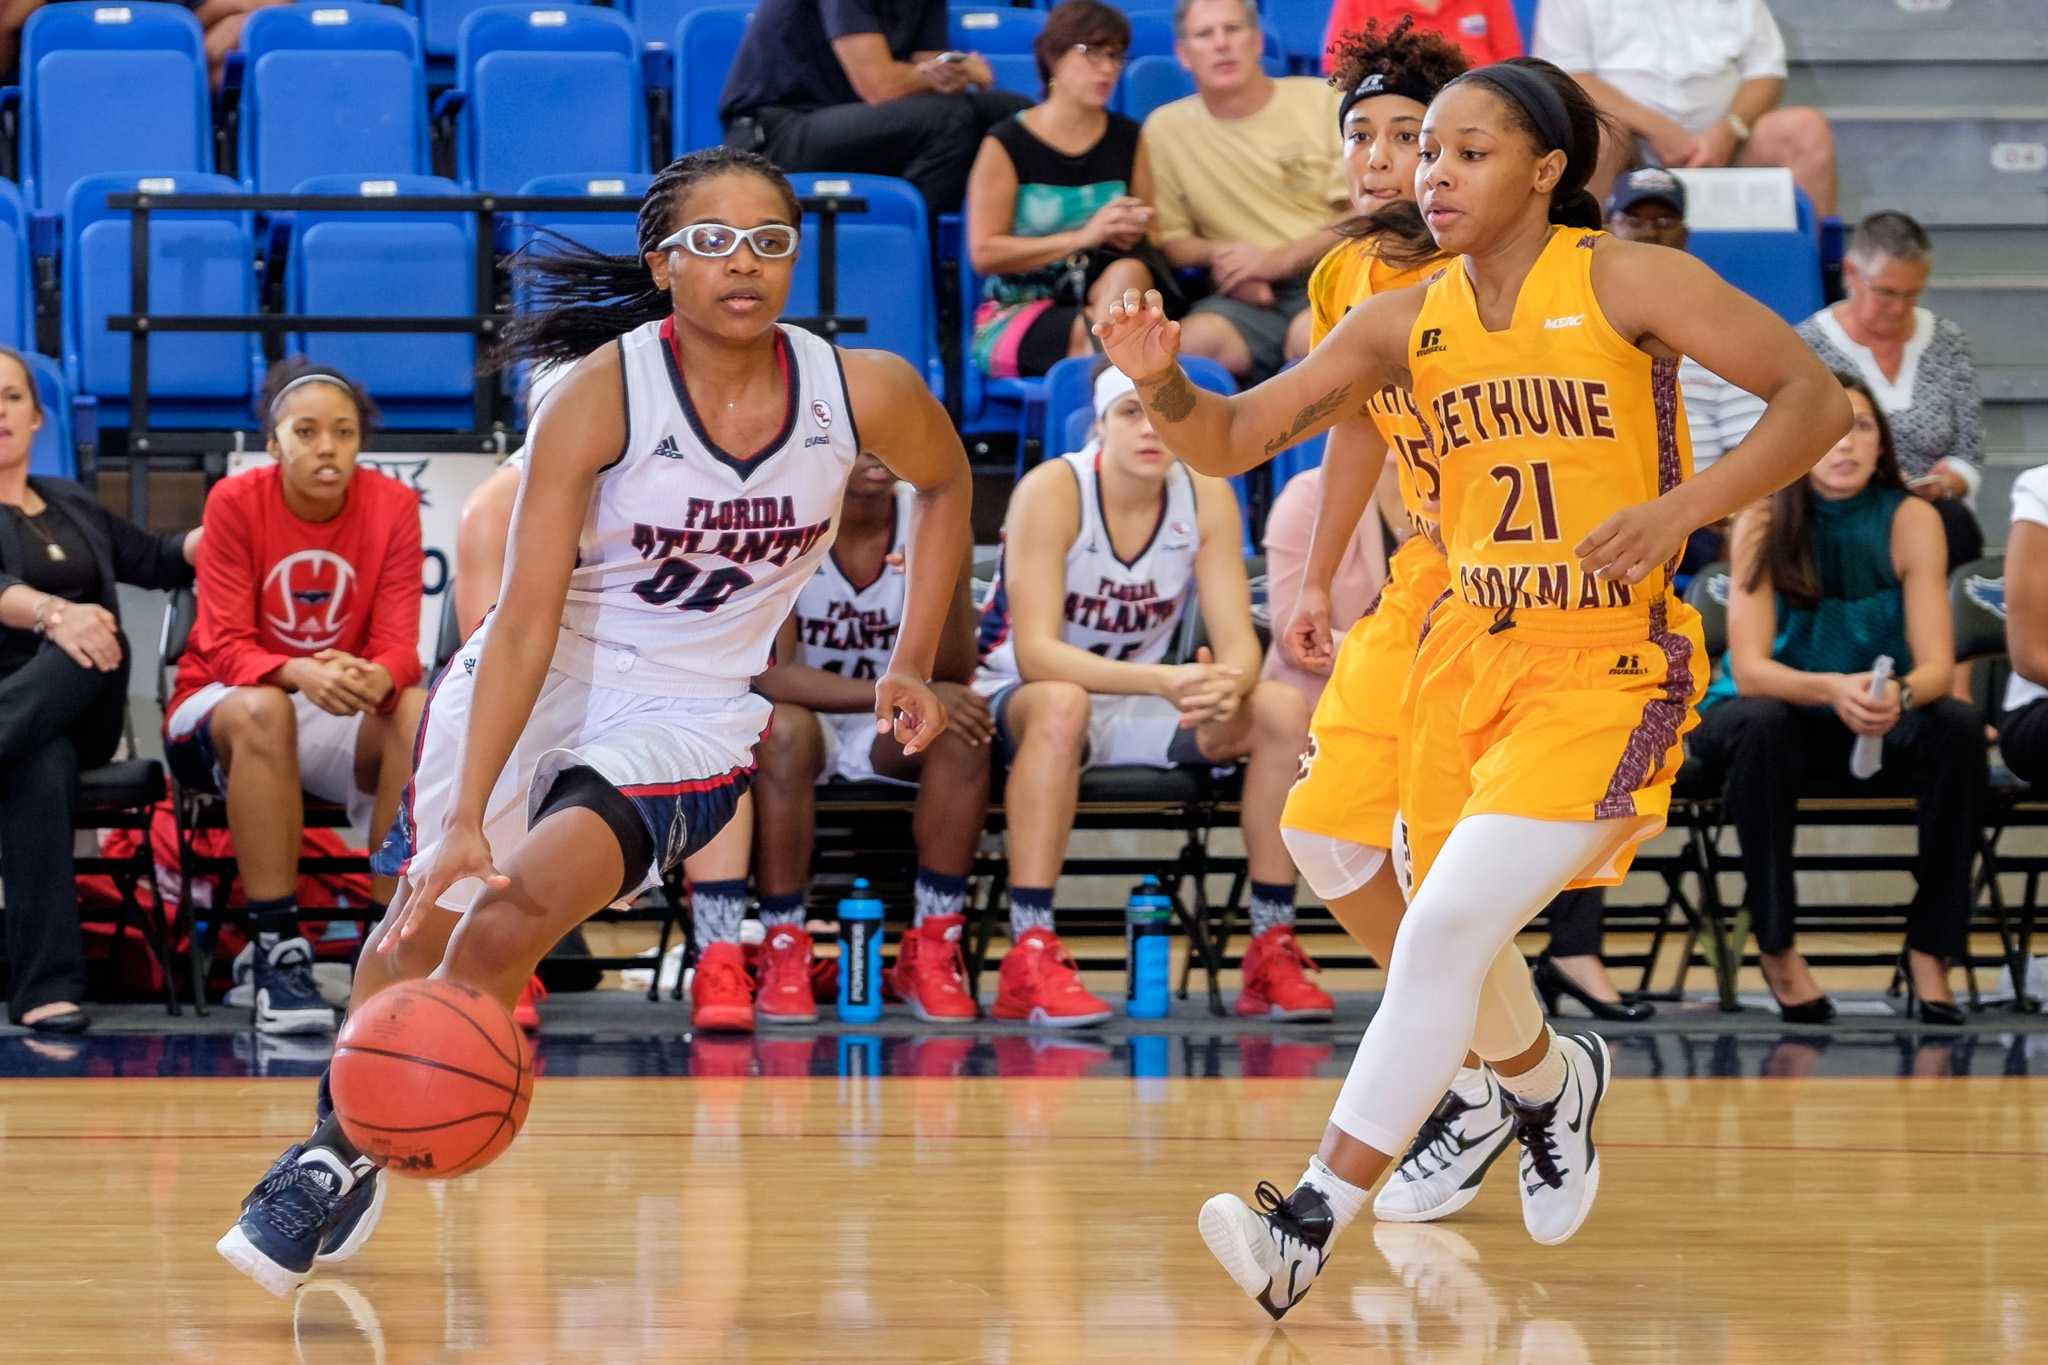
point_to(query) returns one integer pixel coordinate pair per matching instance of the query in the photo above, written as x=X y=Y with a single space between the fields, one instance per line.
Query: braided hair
x=579 y=299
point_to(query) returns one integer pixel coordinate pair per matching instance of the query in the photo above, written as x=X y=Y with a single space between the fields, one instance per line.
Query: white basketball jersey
x=1123 y=611
x=690 y=557
x=849 y=628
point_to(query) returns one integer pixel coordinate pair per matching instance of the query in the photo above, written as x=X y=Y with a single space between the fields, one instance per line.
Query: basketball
x=431 y=1078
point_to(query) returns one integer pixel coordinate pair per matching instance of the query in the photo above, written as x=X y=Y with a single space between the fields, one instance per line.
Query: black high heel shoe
x=1551 y=982
x=1939 y=1013
x=1819 y=1010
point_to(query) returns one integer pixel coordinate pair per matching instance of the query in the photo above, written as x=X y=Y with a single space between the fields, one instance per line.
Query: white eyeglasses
x=770 y=241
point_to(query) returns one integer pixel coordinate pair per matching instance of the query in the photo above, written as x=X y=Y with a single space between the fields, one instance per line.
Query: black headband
x=1535 y=96
x=1377 y=83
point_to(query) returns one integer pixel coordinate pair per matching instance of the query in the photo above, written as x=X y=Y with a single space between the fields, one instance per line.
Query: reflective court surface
x=1043 y=1214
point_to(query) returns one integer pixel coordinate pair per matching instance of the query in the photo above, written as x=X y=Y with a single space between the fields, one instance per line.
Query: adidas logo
x=1628 y=666
x=668 y=449
x=1557 y=324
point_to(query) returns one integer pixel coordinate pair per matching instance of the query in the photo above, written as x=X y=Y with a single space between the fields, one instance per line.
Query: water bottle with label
x=1148 y=919
x=860 y=956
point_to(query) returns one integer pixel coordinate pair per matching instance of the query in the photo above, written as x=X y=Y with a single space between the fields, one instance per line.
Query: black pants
x=929 y=139
x=1770 y=752
x=56 y=719
x=1575 y=923
x=2023 y=740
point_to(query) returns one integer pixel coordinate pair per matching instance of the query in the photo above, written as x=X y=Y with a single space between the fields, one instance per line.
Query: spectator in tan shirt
x=1248 y=177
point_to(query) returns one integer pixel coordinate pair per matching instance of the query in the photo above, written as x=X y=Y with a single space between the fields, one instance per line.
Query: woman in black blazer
x=63 y=693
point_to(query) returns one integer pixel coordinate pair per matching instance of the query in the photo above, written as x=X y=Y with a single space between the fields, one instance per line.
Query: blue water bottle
x=860 y=956
x=1148 y=919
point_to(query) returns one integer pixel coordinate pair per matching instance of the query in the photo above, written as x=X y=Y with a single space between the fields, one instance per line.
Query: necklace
x=50 y=546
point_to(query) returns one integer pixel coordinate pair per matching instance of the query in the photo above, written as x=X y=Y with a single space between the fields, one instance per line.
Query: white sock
x=1470 y=1084
x=1346 y=1200
x=344 y=1176
x=1541 y=1083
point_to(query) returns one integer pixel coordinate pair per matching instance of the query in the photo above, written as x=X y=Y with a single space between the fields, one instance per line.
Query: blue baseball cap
x=1650 y=182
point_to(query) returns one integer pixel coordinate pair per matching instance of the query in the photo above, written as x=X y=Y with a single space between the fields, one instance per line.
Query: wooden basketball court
x=1042 y=1219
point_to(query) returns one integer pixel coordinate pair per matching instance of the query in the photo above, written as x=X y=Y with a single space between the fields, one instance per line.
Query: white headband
x=304 y=380
x=1110 y=385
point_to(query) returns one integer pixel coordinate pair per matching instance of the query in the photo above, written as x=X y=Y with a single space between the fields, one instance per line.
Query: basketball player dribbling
x=683 y=484
x=1556 y=677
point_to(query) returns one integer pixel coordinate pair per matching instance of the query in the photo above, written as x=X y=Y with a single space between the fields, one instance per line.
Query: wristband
x=1739 y=126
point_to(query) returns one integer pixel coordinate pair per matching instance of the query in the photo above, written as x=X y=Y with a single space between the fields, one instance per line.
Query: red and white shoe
x=1274 y=987
x=784 y=995
x=526 y=1010
x=1040 y=983
x=929 y=974
x=721 y=995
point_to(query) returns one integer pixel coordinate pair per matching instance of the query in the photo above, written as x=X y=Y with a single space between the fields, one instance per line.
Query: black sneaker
x=1276 y=1255
x=284 y=1219
x=286 y=1000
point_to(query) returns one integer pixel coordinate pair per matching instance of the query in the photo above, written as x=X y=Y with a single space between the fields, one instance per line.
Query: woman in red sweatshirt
x=302 y=669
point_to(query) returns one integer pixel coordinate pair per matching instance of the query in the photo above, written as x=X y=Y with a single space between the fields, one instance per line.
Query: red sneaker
x=526 y=1011
x=721 y=997
x=785 y=992
x=929 y=974
x=1274 y=987
x=825 y=980
x=1040 y=983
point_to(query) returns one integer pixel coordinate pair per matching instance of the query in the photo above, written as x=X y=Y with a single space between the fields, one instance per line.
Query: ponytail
x=1399 y=235
x=578 y=299
x=1557 y=115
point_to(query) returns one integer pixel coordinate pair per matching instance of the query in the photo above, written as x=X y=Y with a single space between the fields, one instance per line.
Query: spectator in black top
x=1059 y=206
x=63 y=692
x=865 y=86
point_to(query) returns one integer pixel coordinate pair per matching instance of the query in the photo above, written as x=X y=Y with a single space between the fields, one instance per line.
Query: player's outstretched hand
x=1136 y=336
x=906 y=708
x=1632 y=543
x=462 y=852
x=1306 y=641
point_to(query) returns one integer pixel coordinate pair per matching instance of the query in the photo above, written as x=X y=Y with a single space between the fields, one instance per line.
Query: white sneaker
x=1451 y=1153
x=1276 y=1255
x=242 y=995
x=1560 y=1168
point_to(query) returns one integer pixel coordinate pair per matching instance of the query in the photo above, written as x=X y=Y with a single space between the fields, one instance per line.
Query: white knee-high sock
x=1461 y=918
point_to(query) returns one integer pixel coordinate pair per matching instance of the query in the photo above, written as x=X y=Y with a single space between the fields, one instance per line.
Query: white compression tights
x=1448 y=983
x=1508 y=1020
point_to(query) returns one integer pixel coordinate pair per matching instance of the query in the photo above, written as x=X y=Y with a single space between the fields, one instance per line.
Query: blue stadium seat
x=54 y=451
x=17 y=292
x=1070 y=396
x=371 y=118
x=615 y=234
x=1781 y=270
x=706 y=42
x=200 y=262
x=884 y=273
x=990 y=29
x=110 y=88
x=658 y=19
x=441 y=24
x=1298 y=26
x=379 y=264
x=1017 y=72
x=547 y=89
x=1150 y=82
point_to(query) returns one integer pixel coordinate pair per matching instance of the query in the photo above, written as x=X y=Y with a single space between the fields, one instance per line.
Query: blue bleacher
x=873 y=247
x=53 y=452
x=441 y=24
x=989 y=29
x=17 y=290
x=658 y=20
x=110 y=88
x=1298 y=26
x=1779 y=269
x=1016 y=72
x=200 y=262
x=371 y=119
x=544 y=89
x=706 y=42
x=615 y=234
x=385 y=264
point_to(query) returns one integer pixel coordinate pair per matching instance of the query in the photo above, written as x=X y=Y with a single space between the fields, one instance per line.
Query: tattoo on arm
x=1174 y=399
x=1308 y=417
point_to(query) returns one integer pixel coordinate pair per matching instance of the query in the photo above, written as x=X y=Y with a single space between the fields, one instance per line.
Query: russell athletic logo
x=1431 y=341
x=308 y=598
x=1628 y=666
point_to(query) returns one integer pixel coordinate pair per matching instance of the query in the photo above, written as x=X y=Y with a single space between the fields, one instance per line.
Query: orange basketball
x=431 y=1078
